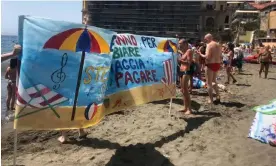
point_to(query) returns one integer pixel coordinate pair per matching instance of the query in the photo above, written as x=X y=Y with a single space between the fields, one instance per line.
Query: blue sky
x=57 y=10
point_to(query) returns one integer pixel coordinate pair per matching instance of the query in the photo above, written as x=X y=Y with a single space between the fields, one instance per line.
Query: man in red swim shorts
x=212 y=61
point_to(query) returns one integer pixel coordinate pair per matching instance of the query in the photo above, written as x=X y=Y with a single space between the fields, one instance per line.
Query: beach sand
x=148 y=135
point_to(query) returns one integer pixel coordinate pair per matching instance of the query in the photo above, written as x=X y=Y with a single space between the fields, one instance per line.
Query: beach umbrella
x=167 y=46
x=168 y=65
x=78 y=40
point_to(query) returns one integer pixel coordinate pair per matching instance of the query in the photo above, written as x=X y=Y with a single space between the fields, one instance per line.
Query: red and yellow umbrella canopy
x=167 y=46
x=78 y=39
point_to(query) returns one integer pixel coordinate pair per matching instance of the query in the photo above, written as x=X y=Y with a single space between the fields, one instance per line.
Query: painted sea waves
x=72 y=75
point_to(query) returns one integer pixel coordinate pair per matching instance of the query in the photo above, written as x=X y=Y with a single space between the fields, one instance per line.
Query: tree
x=252 y=26
x=260 y=33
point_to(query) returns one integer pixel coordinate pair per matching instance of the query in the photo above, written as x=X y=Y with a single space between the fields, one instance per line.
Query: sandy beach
x=148 y=135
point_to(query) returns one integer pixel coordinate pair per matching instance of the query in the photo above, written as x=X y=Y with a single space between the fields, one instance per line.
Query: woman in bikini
x=264 y=58
x=185 y=61
x=11 y=87
x=230 y=65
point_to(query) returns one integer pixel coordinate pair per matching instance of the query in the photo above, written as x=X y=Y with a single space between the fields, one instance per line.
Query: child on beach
x=11 y=87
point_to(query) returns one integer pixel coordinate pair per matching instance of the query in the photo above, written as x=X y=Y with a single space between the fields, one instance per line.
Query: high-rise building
x=166 y=18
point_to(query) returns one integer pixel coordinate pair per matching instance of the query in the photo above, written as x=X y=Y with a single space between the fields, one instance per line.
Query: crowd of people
x=204 y=57
x=209 y=56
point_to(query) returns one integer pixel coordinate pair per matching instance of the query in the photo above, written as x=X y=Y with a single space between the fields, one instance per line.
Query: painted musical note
x=59 y=76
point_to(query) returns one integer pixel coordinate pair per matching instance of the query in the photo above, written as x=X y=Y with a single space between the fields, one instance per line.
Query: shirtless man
x=185 y=60
x=212 y=61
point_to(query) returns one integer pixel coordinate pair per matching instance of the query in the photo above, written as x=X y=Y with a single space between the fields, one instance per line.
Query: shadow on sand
x=166 y=101
x=272 y=78
x=204 y=94
x=137 y=155
x=245 y=74
x=146 y=154
x=247 y=85
x=232 y=104
x=195 y=105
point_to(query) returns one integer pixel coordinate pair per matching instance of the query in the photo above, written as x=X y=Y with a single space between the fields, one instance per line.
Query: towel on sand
x=264 y=128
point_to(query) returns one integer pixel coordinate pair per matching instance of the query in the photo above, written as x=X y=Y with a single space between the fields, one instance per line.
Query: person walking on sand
x=11 y=87
x=65 y=139
x=239 y=59
x=230 y=66
x=185 y=61
x=264 y=58
x=213 y=60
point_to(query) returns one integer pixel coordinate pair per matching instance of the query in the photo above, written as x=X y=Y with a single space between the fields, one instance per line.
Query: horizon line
x=9 y=34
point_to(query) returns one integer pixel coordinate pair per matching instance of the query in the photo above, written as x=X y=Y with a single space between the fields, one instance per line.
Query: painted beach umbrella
x=78 y=40
x=167 y=46
x=169 y=69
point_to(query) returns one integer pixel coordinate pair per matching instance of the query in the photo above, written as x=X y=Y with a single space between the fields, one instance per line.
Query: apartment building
x=188 y=19
x=166 y=18
x=216 y=17
x=263 y=12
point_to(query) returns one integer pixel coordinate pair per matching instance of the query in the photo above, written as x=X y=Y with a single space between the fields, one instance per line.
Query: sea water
x=7 y=43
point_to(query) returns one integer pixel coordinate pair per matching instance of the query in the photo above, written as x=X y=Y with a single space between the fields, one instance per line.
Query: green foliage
x=252 y=26
x=260 y=33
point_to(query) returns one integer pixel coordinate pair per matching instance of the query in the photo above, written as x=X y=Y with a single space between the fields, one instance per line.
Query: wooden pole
x=174 y=82
x=170 y=106
x=15 y=147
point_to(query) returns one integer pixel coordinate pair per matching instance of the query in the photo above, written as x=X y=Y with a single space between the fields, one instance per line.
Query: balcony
x=146 y=19
x=239 y=20
x=245 y=13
